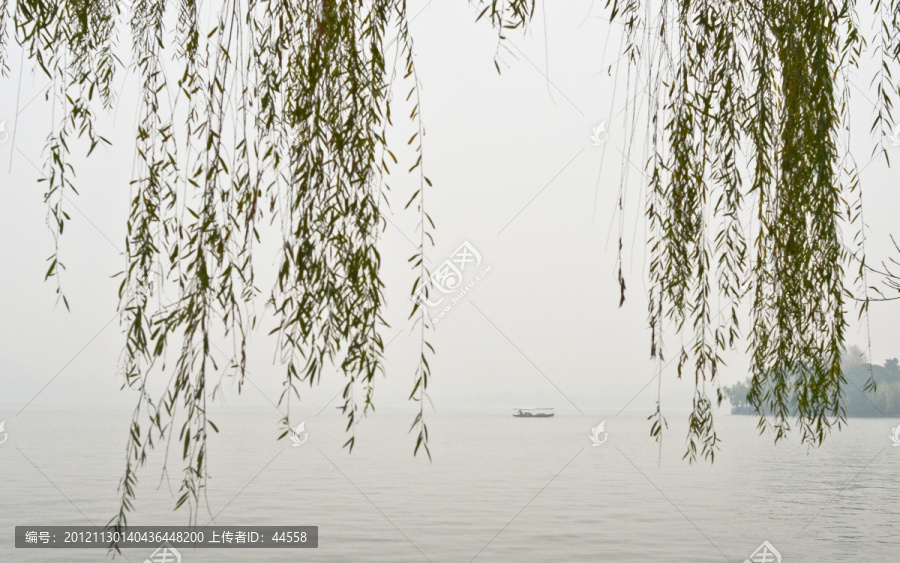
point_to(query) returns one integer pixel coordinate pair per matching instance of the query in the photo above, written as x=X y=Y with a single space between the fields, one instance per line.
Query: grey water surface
x=499 y=488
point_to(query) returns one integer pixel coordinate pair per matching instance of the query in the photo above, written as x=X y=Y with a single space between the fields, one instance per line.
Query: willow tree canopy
x=277 y=111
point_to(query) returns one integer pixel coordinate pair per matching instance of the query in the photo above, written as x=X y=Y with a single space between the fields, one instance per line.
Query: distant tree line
x=859 y=398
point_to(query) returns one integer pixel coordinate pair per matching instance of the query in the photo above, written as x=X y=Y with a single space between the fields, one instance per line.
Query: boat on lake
x=533 y=413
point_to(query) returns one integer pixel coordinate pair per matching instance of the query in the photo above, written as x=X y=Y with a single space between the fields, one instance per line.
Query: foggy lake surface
x=499 y=488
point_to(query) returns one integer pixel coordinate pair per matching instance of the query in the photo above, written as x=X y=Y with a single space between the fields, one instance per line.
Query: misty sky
x=515 y=174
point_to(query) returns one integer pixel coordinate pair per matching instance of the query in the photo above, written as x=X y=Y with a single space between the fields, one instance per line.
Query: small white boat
x=533 y=413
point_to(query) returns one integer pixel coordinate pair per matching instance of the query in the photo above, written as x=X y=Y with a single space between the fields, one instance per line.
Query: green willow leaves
x=254 y=111
x=751 y=188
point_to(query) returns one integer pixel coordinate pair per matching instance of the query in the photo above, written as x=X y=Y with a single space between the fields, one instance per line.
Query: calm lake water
x=498 y=489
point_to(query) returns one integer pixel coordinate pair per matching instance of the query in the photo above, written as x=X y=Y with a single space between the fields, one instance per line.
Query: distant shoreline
x=749 y=411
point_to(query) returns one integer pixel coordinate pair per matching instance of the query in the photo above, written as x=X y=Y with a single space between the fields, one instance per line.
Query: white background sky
x=543 y=328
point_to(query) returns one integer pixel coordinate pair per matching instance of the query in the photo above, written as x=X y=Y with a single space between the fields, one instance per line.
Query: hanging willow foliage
x=751 y=186
x=747 y=113
x=266 y=111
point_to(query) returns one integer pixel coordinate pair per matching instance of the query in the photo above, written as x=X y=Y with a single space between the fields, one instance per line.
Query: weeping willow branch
x=280 y=102
x=748 y=102
x=276 y=111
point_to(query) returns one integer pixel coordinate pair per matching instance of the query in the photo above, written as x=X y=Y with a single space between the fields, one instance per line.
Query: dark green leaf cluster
x=750 y=186
x=268 y=111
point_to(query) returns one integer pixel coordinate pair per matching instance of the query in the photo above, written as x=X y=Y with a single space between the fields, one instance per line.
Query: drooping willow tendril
x=746 y=110
x=271 y=111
